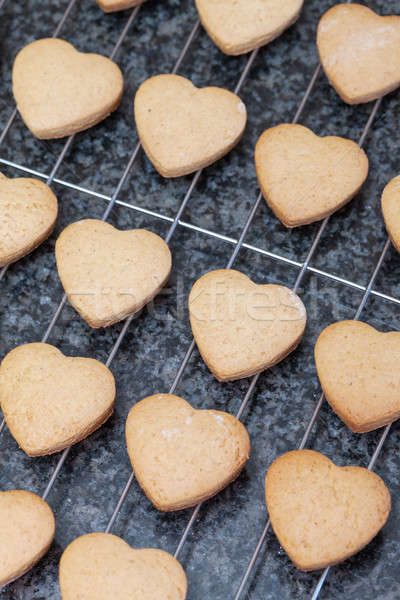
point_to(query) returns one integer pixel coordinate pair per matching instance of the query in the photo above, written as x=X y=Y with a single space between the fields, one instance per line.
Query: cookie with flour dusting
x=27 y=527
x=242 y=328
x=183 y=128
x=101 y=566
x=391 y=210
x=110 y=274
x=323 y=514
x=239 y=26
x=304 y=177
x=182 y=456
x=28 y=212
x=51 y=401
x=114 y=5
x=360 y=52
x=359 y=371
x=60 y=91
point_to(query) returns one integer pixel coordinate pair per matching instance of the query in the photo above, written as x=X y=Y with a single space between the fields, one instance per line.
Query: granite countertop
x=225 y=534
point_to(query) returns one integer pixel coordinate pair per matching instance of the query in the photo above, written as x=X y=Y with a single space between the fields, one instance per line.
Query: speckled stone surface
x=218 y=548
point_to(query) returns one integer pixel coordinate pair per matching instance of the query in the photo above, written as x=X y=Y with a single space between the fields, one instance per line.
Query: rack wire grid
x=343 y=268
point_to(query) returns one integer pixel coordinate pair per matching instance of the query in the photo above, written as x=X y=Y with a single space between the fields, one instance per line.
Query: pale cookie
x=182 y=456
x=60 y=91
x=359 y=371
x=101 y=566
x=360 y=52
x=49 y=400
x=114 y=5
x=27 y=528
x=109 y=274
x=28 y=212
x=305 y=178
x=391 y=210
x=238 y=26
x=323 y=514
x=242 y=328
x=183 y=128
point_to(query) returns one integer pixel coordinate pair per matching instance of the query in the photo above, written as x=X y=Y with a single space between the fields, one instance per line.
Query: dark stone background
x=218 y=549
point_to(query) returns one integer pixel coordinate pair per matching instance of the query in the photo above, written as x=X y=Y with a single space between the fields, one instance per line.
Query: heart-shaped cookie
x=238 y=26
x=101 y=566
x=323 y=514
x=182 y=456
x=27 y=529
x=359 y=371
x=391 y=210
x=109 y=274
x=60 y=91
x=360 y=52
x=305 y=178
x=183 y=128
x=51 y=401
x=242 y=328
x=28 y=211
x=114 y=5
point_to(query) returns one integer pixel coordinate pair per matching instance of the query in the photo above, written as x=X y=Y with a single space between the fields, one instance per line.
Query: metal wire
x=385 y=432
x=190 y=350
x=315 y=414
x=168 y=237
x=304 y=440
x=238 y=244
x=49 y=180
x=228 y=266
x=214 y=234
x=71 y=138
x=128 y=321
x=370 y=467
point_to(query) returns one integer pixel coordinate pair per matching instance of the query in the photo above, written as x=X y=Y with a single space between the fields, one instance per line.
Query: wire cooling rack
x=243 y=577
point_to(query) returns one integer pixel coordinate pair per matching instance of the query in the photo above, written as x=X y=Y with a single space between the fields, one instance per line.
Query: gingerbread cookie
x=110 y=274
x=242 y=328
x=60 y=91
x=27 y=529
x=183 y=128
x=391 y=210
x=182 y=456
x=360 y=52
x=305 y=178
x=101 y=566
x=114 y=5
x=238 y=26
x=51 y=401
x=28 y=212
x=323 y=514
x=359 y=371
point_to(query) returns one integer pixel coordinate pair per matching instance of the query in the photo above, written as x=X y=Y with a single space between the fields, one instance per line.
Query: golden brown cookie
x=109 y=274
x=114 y=5
x=27 y=529
x=360 y=52
x=101 y=566
x=51 y=401
x=323 y=514
x=391 y=210
x=60 y=91
x=242 y=328
x=28 y=212
x=359 y=371
x=305 y=178
x=238 y=26
x=183 y=128
x=182 y=456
